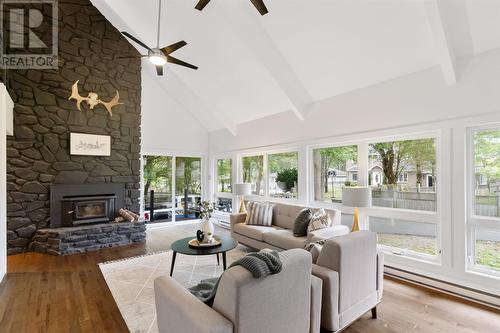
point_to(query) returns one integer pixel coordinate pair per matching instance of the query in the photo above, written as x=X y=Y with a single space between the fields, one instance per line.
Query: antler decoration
x=93 y=99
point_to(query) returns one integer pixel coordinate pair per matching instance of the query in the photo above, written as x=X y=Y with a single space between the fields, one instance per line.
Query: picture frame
x=90 y=144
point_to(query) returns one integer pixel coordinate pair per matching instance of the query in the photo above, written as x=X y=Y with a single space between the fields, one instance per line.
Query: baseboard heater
x=466 y=293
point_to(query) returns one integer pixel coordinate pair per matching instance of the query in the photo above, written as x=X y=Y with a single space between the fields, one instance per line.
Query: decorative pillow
x=315 y=249
x=319 y=220
x=302 y=222
x=259 y=213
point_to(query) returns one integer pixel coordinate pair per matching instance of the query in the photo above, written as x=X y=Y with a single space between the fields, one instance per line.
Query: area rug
x=131 y=282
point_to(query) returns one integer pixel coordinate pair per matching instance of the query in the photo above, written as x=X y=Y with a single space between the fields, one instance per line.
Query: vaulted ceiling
x=253 y=66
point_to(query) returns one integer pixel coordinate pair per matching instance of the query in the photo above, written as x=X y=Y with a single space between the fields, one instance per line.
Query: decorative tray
x=194 y=243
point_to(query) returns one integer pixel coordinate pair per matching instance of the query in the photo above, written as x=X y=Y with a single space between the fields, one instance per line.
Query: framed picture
x=90 y=144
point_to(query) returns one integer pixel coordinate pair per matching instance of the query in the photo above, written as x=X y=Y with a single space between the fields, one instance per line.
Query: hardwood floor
x=44 y=293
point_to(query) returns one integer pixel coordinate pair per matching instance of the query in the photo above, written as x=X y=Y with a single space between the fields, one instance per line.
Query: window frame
x=428 y=217
x=476 y=222
x=265 y=154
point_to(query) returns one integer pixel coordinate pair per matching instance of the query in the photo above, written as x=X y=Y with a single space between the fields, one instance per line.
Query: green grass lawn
x=487 y=252
x=420 y=244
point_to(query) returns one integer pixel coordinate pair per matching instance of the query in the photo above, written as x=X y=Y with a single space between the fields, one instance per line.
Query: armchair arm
x=380 y=273
x=237 y=218
x=316 y=296
x=179 y=311
x=330 y=297
x=327 y=233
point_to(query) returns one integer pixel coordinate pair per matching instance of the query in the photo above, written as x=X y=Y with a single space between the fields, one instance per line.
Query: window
x=487 y=172
x=484 y=216
x=283 y=175
x=187 y=187
x=224 y=175
x=334 y=167
x=157 y=182
x=405 y=237
x=402 y=174
x=253 y=173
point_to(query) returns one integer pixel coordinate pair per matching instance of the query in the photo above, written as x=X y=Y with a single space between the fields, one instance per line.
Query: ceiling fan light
x=157 y=60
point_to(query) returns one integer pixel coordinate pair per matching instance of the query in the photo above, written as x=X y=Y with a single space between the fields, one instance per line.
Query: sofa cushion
x=284 y=215
x=284 y=238
x=260 y=213
x=253 y=231
x=301 y=222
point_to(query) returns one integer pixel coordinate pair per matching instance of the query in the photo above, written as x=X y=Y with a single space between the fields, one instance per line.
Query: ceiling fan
x=160 y=56
x=259 y=4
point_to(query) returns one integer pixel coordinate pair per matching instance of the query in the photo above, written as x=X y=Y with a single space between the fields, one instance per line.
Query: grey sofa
x=289 y=301
x=352 y=273
x=280 y=236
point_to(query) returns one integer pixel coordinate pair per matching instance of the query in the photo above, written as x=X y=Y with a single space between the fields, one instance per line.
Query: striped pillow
x=259 y=213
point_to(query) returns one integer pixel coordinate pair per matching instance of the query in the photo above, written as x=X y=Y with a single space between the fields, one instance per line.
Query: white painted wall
x=167 y=127
x=416 y=98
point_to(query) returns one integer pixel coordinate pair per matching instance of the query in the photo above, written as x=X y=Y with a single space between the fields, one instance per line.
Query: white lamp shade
x=356 y=196
x=243 y=189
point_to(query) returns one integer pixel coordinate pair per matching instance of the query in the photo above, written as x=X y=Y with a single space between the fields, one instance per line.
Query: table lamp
x=243 y=189
x=356 y=197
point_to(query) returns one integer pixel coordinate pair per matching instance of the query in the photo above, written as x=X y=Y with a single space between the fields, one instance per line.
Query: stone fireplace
x=81 y=220
x=39 y=162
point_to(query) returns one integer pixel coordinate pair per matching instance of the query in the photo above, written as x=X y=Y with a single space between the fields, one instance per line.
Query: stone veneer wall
x=38 y=154
x=63 y=241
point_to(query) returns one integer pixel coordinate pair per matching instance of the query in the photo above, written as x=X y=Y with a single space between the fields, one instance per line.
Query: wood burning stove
x=87 y=209
x=72 y=205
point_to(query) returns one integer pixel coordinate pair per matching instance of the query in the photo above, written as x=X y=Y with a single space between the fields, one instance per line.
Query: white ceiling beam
x=170 y=83
x=185 y=96
x=246 y=24
x=442 y=42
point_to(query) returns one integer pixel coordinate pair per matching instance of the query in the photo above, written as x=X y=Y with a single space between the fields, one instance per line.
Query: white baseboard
x=445 y=287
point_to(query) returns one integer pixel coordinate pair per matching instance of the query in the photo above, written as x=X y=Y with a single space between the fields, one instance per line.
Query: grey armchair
x=352 y=271
x=289 y=301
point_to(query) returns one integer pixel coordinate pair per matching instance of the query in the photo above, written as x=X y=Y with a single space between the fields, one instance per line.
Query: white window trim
x=265 y=154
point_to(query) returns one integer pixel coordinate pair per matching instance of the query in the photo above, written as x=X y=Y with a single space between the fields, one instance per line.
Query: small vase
x=208 y=230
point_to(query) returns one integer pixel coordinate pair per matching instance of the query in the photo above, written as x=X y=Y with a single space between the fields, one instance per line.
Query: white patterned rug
x=131 y=282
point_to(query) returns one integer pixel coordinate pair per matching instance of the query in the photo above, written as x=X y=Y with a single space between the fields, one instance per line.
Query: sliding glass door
x=172 y=188
x=187 y=188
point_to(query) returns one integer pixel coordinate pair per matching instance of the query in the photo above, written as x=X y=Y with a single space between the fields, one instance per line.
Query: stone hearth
x=81 y=239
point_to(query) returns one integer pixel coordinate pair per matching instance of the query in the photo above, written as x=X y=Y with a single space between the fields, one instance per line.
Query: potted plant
x=206 y=210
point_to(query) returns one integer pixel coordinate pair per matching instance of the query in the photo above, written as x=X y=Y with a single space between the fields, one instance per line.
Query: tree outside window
x=486 y=199
x=399 y=169
x=334 y=167
x=283 y=175
x=253 y=173
x=224 y=175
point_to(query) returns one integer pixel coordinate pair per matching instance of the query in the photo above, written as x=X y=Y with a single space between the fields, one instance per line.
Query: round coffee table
x=182 y=246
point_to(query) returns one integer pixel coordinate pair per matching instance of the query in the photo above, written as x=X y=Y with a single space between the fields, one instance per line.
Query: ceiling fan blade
x=201 y=4
x=261 y=7
x=174 y=47
x=132 y=57
x=176 y=61
x=136 y=40
x=159 y=70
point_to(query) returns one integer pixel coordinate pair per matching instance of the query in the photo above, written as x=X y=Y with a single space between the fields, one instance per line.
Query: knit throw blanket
x=260 y=264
